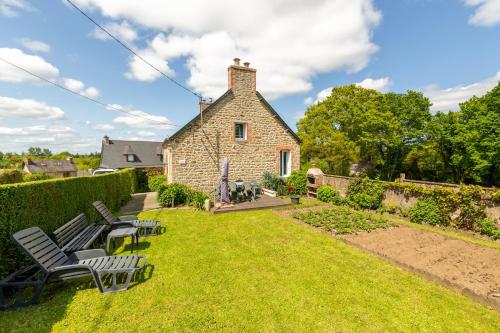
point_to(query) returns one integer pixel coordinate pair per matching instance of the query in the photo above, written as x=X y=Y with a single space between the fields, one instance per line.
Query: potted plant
x=294 y=196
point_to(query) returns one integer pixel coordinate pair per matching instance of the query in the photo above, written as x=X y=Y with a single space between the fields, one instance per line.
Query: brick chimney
x=241 y=78
x=205 y=104
x=105 y=140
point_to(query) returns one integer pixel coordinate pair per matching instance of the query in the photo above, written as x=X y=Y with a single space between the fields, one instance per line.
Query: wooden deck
x=262 y=202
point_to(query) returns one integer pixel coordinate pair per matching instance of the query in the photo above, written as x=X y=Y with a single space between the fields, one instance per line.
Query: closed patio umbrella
x=224 y=186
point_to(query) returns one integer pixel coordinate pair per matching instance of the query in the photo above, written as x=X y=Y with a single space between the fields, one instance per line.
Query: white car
x=101 y=171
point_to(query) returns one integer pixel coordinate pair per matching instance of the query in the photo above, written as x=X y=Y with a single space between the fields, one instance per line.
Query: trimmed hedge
x=49 y=204
x=10 y=176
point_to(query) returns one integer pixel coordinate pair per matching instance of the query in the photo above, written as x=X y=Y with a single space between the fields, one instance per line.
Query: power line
x=133 y=52
x=106 y=105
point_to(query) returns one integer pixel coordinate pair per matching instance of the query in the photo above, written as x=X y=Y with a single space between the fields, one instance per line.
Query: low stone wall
x=398 y=198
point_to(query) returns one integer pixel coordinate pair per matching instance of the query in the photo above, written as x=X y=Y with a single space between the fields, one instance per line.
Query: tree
x=39 y=152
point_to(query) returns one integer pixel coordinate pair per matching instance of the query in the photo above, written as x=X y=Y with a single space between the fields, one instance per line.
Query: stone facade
x=194 y=154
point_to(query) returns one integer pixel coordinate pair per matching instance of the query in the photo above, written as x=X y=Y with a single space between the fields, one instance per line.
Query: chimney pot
x=246 y=64
x=236 y=61
x=105 y=139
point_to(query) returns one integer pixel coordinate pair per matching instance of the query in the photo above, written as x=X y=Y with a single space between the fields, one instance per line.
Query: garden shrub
x=196 y=199
x=49 y=204
x=329 y=194
x=180 y=194
x=154 y=182
x=296 y=182
x=470 y=207
x=365 y=193
x=10 y=176
x=425 y=211
x=273 y=182
x=142 y=180
x=32 y=177
x=487 y=227
x=169 y=194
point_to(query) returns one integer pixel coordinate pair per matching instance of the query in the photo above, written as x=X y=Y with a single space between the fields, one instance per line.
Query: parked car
x=101 y=171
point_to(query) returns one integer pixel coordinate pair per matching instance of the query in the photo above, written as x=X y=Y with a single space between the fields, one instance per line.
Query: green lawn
x=256 y=271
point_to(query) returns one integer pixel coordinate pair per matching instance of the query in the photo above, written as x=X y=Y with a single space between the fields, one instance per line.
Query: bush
x=180 y=194
x=154 y=182
x=365 y=193
x=425 y=211
x=196 y=199
x=49 y=204
x=487 y=227
x=172 y=193
x=142 y=181
x=10 y=176
x=273 y=182
x=296 y=182
x=33 y=177
x=329 y=194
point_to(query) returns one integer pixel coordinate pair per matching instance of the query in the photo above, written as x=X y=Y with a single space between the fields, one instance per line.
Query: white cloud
x=449 y=98
x=10 y=8
x=79 y=87
x=121 y=30
x=28 y=108
x=42 y=130
x=141 y=119
x=33 y=63
x=289 y=42
x=103 y=127
x=34 y=45
x=383 y=84
x=146 y=134
x=487 y=12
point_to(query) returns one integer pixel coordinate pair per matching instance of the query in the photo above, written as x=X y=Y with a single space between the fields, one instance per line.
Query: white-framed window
x=240 y=131
x=130 y=158
x=285 y=163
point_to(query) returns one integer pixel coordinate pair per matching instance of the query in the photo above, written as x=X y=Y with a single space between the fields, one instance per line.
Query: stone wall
x=392 y=197
x=194 y=156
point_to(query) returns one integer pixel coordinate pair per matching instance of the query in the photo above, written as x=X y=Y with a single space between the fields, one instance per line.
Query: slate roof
x=227 y=93
x=49 y=166
x=147 y=154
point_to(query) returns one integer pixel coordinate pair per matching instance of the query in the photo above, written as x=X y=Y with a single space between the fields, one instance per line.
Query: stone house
x=240 y=126
x=52 y=168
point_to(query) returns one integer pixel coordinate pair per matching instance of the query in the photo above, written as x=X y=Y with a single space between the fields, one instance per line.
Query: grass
x=255 y=271
x=343 y=220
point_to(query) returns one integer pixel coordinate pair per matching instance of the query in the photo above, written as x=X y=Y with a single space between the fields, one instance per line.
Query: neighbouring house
x=121 y=154
x=240 y=125
x=52 y=168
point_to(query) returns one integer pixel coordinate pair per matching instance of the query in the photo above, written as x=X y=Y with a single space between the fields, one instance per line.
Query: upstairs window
x=240 y=131
x=130 y=158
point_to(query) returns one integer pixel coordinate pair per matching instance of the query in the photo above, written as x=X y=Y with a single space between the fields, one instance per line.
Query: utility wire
x=133 y=52
x=106 y=105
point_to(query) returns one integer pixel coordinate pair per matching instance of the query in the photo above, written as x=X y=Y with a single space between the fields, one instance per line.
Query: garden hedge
x=49 y=204
x=10 y=176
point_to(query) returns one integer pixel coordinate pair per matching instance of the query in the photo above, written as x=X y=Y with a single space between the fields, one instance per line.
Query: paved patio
x=141 y=202
x=262 y=202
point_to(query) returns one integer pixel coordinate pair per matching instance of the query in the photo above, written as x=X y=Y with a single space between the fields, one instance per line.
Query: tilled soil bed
x=471 y=268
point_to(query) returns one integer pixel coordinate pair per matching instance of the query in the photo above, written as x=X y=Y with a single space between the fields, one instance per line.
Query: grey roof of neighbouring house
x=48 y=166
x=147 y=154
x=228 y=92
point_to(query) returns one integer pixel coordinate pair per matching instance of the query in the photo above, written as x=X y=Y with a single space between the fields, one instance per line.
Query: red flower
x=290 y=187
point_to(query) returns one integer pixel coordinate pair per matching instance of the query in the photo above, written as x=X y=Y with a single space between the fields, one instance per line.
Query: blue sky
x=450 y=50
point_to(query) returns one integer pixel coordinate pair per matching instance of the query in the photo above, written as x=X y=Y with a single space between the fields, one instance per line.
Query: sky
x=448 y=49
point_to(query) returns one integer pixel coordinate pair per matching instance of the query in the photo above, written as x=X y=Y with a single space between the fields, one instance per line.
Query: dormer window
x=240 y=131
x=130 y=158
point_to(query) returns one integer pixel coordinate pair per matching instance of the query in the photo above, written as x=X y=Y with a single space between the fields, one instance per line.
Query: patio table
x=122 y=233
